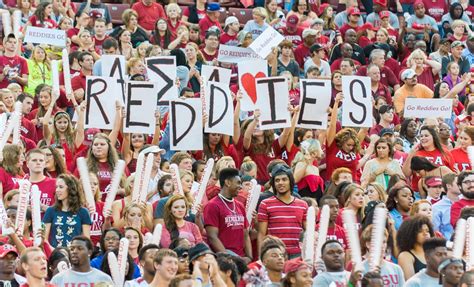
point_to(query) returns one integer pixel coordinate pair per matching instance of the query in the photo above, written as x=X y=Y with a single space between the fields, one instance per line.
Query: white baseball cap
x=230 y=20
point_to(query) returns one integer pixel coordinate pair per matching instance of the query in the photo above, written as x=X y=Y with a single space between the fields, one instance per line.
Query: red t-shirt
x=208 y=57
x=232 y=225
x=296 y=37
x=28 y=129
x=48 y=23
x=227 y=39
x=436 y=9
x=336 y=65
x=47 y=188
x=8 y=181
x=346 y=27
x=79 y=82
x=147 y=15
x=457 y=207
x=97 y=219
x=336 y=158
x=302 y=54
x=285 y=221
x=200 y=13
x=262 y=160
x=98 y=44
x=437 y=158
x=461 y=160
x=336 y=233
x=387 y=77
x=17 y=65
x=104 y=174
x=206 y=23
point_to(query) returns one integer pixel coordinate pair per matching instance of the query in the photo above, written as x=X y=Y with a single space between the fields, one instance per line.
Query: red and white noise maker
x=377 y=238
x=86 y=183
x=36 y=213
x=154 y=238
x=23 y=203
x=470 y=243
x=122 y=256
x=114 y=185
x=66 y=72
x=17 y=121
x=309 y=236
x=459 y=238
x=252 y=200
x=470 y=155
x=7 y=23
x=10 y=127
x=115 y=270
x=16 y=22
x=323 y=230
x=175 y=177
x=142 y=177
x=350 y=226
x=203 y=184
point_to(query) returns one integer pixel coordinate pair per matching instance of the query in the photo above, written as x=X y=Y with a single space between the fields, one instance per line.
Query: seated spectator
x=292 y=31
x=302 y=52
x=317 y=55
x=374 y=18
x=350 y=37
x=302 y=9
x=194 y=13
x=137 y=34
x=411 y=88
x=388 y=78
x=258 y=24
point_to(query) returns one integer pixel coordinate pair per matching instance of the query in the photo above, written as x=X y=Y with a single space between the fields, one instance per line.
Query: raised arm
x=47 y=123
x=79 y=137
x=236 y=135
x=127 y=155
x=286 y=138
x=119 y=115
x=331 y=134
x=466 y=79
x=157 y=132
x=250 y=129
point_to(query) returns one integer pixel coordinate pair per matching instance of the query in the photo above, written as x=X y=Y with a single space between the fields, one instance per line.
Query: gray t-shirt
x=73 y=278
x=422 y=279
x=327 y=278
x=392 y=274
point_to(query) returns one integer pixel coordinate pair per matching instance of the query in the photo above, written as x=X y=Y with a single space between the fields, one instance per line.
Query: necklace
x=224 y=200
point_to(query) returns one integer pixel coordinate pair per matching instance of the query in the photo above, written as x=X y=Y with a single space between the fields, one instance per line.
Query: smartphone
x=281 y=16
x=305 y=13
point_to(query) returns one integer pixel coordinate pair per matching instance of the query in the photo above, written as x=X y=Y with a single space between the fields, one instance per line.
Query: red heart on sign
x=248 y=83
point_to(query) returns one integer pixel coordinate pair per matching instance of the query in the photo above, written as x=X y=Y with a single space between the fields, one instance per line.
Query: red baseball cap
x=292 y=21
x=381 y=2
x=383 y=14
x=7 y=248
x=293 y=265
x=367 y=26
x=418 y=3
x=353 y=11
x=434 y=181
x=322 y=8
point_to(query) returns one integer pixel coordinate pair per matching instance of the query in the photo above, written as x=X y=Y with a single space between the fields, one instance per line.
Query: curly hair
x=393 y=193
x=168 y=217
x=75 y=194
x=407 y=233
x=346 y=134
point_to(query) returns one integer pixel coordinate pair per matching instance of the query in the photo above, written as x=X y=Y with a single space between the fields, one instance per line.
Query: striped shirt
x=285 y=221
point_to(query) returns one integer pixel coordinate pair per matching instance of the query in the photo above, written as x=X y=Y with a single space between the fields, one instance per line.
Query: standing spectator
x=101 y=8
x=100 y=35
x=66 y=218
x=148 y=11
x=42 y=17
x=225 y=218
x=435 y=251
x=36 y=161
x=466 y=185
x=27 y=128
x=81 y=273
x=442 y=209
x=316 y=60
x=14 y=68
x=211 y=19
x=258 y=24
x=78 y=83
x=302 y=52
x=35 y=264
x=285 y=62
x=270 y=212
x=8 y=257
x=39 y=70
x=332 y=254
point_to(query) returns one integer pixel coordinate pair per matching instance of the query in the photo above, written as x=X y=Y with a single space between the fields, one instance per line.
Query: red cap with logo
x=292 y=21
x=434 y=181
x=353 y=11
x=7 y=248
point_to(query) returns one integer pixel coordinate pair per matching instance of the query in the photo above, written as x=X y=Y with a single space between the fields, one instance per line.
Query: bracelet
x=199 y=279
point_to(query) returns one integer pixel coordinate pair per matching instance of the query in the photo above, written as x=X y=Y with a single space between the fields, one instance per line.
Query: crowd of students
x=419 y=169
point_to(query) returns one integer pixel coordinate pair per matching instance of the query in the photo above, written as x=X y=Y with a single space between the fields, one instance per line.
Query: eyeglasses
x=468 y=182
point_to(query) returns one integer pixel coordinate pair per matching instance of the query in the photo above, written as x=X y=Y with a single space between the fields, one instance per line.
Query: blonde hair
x=418 y=53
x=416 y=206
x=173 y=5
x=307 y=146
x=260 y=11
x=380 y=190
x=132 y=62
x=457 y=23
